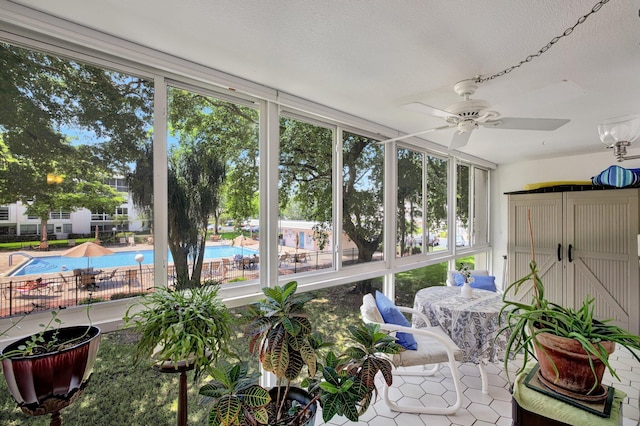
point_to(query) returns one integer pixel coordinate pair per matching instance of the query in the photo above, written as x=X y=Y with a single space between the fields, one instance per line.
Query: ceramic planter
x=572 y=362
x=302 y=397
x=37 y=379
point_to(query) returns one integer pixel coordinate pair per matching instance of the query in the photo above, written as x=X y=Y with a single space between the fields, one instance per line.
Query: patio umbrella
x=87 y=250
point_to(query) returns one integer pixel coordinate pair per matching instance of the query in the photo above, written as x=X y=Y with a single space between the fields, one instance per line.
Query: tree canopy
x=79 y=123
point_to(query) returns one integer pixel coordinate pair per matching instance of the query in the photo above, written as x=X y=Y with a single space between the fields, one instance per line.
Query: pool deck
x=5 y=267
x=4 y=255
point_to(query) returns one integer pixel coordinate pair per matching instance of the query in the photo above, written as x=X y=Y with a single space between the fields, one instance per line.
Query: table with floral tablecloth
x=471 y=323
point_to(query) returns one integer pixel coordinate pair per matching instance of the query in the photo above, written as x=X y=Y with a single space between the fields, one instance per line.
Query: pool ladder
x=28 y=256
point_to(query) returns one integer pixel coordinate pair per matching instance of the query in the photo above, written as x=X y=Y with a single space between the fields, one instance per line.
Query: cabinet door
x=546 y=222
x=601 y=230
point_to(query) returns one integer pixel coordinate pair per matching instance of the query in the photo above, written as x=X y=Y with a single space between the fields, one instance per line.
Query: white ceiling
x=370 y=57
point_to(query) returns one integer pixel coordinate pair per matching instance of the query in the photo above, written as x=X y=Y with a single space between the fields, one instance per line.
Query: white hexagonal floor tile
x=477 y=408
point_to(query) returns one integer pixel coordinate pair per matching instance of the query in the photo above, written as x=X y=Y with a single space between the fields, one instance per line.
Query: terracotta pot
x=572 y=362
x=34 y=379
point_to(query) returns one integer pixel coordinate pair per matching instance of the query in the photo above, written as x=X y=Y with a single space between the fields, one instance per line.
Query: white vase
x=466 y=290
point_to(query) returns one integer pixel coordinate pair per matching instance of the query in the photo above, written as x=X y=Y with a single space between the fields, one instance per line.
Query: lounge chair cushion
x=431 y=351
x=392 y=315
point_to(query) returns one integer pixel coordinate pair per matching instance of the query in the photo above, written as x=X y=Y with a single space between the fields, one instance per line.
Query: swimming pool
x=49 y=264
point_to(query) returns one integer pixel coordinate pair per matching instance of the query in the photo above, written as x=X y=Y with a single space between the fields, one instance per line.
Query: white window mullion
x=160 y=182
x=338 y=164
x=269 y=161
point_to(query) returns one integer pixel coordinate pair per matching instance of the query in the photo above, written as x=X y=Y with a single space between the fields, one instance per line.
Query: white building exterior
x=14 y=221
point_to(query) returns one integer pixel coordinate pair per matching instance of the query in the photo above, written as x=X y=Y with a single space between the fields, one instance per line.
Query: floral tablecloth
x=471 y=323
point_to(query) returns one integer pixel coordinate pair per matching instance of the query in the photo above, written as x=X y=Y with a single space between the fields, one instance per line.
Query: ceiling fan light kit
x=618 y=133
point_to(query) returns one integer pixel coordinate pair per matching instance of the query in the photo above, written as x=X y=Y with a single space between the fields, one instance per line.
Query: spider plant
x=175 y=326
x=527 y=321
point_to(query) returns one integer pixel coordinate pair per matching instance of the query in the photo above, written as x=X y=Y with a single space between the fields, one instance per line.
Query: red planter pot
x=34 y=379
x=572 y=362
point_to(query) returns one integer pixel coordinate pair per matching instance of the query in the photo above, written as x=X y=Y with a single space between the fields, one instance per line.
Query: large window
x=480 y=222
x=436 y=222
x=463 y=212
x=410 y=232
x=213 y=165
x=362 y=199
x=305 y=224
x=90 y=143
x=69 y=128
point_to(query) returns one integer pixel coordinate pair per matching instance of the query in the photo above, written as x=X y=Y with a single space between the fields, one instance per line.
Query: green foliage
x=40 y=95
x=362 y=191
x=282 y=336
x=526 y=321
x=349 y=380
x=280 y=330
x=118 y=296
x=235 y=397
x=181 y=325
x=90 y=300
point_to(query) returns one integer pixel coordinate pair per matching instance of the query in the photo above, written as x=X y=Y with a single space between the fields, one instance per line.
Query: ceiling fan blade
x=427 y=109
x=399 y=138
x=459 y=139
x=517 y=123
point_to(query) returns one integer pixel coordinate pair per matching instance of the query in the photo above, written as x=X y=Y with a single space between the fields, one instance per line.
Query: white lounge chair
x=434 y=347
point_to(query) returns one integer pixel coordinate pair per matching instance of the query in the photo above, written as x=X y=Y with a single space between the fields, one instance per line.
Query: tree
x=46 y=103
x=436 y=193
x=305 y=175
x=409 y=194
x=195 y=179
x=362 y=192
x=230 y=131
x=213 y=156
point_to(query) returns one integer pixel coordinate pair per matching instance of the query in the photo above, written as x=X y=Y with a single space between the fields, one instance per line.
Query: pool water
x=50 y=264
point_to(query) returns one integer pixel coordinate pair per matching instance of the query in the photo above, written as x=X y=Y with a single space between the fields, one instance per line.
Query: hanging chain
x=548 y=46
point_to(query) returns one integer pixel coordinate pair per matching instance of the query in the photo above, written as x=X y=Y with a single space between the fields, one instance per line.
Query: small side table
x=532 y=408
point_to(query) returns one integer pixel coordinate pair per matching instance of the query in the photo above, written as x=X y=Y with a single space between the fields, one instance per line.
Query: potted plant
x=180 y=328
x=47 y=371
x=282 y=336
x=571 y=346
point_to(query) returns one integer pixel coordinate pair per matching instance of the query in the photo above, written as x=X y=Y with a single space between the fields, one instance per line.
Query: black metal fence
x=57 y=291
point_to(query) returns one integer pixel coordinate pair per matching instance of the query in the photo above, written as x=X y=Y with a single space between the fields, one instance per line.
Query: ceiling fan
x=468 y=114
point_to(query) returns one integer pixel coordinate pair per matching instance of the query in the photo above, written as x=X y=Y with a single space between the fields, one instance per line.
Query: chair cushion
x=484 y=282
x=392 y=315
x=430 y=350
x=370 y=309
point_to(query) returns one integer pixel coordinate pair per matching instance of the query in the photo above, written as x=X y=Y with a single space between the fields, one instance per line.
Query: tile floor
x=478 y=409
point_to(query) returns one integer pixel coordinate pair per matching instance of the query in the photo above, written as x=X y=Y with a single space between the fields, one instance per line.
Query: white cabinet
x=585 y=243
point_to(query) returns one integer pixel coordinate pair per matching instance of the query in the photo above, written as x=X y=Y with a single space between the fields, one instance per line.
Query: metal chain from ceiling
x=548 y=46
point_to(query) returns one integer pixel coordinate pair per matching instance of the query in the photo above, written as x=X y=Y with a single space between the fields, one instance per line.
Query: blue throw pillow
x=392 y=315
x=618 y=177
x=483 y=282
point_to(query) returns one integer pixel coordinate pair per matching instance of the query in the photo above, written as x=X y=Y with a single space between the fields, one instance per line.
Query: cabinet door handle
x=559 y=252
x=570 y=252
